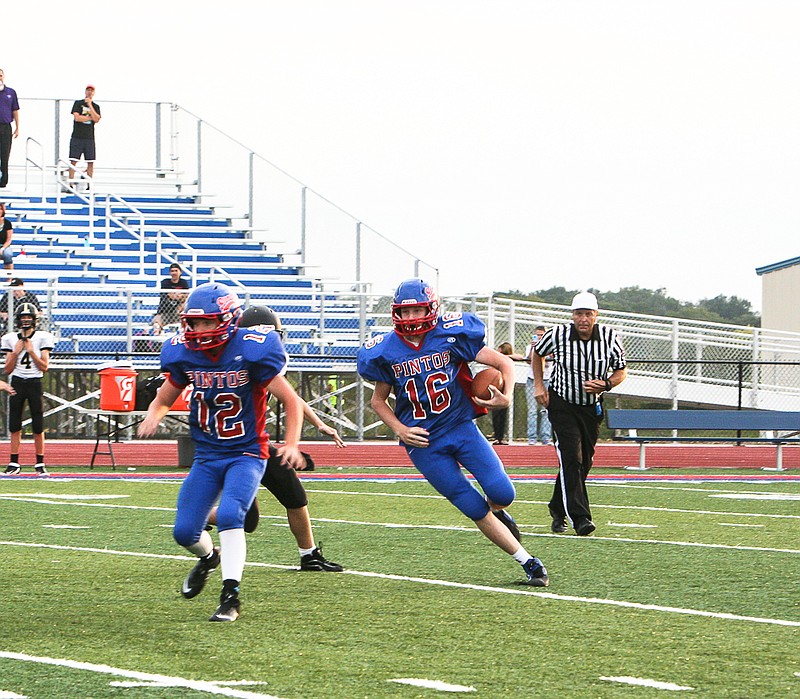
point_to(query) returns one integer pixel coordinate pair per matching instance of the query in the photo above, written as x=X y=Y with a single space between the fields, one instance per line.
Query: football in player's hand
x=483 y=379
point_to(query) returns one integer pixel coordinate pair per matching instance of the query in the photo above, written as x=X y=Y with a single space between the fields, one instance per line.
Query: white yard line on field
x=643 y=508
x=632 y=526
x=62 y=496
x=393 y=525
x=757 y=496
x=686 y=489
x=160 y=680
x=59 y=500
x=526 y=592
x=579 y=540
x=734 y=524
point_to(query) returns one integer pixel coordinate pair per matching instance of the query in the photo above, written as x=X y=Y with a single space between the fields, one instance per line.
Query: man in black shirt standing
x=85 y=113
x=588 y=361
x=171 y=302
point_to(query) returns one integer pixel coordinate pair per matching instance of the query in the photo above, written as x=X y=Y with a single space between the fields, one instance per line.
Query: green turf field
x=685 y=587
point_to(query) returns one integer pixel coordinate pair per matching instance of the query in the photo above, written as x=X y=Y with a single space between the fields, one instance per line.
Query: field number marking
x=433 y=684
x=655 y=684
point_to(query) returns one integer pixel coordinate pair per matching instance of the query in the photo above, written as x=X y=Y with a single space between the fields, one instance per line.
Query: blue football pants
x=465 y=445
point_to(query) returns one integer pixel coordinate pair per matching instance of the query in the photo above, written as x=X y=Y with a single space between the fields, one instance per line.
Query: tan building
x=780 y=289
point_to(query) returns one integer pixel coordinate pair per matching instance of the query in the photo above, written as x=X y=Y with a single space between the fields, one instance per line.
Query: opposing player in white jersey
x=27 y=358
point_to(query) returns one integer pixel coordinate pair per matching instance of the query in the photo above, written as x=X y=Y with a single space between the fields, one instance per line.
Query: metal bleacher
x=96 y=260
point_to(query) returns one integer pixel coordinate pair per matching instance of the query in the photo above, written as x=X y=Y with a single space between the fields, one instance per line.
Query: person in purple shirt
x=424 y=361
x=9 y=113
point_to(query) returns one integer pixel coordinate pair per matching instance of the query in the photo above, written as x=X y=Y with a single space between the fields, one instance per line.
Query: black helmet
x=21 y=313
x=261 y=315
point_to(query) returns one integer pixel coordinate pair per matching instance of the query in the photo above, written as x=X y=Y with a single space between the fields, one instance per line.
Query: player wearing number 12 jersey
x=424 y=362
x=232 y=371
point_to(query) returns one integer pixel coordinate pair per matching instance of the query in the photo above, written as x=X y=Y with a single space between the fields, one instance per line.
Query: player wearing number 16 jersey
x=232 y=371
x=424 y=362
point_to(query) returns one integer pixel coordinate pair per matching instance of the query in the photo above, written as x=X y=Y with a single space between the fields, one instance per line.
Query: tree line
x=634 y=299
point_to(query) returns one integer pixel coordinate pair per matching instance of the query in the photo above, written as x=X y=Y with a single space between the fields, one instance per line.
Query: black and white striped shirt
x=579 y=360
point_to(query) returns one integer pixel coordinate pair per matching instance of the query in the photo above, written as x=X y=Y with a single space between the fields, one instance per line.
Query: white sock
x=234 y=553
x=306 y=552
x=522 y=556
x=203 y=547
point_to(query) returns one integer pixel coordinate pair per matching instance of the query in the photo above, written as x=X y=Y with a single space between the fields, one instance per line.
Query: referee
x=588 y=361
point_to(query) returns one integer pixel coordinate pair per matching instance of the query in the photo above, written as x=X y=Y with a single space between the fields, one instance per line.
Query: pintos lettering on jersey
x=419 y=365
x=218 y=379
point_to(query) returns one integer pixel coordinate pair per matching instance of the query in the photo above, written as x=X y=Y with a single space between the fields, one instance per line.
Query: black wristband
x=608 y=385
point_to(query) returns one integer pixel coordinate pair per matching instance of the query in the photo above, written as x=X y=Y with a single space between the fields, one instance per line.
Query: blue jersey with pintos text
x=430 y=382
x=228 y=405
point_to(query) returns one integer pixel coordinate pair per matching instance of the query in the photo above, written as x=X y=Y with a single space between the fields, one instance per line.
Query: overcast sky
x=515 y=145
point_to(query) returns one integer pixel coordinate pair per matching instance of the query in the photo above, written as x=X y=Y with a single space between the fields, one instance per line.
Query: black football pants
x=575 y=432
x=29 y=390
x=282 y=481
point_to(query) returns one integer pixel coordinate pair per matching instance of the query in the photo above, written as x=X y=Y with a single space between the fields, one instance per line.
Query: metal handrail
x=65 y=184
x=170 y=139
x=140 y=236
x=252 y=155
x=29 y=161
x=223 y=273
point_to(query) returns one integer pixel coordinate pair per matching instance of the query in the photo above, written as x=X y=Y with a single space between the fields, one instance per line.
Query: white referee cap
x=584 y=299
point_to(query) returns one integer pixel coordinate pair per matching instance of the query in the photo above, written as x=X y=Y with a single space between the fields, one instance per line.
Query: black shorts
x=82 y=147
x=30 y=390
x=281 y=480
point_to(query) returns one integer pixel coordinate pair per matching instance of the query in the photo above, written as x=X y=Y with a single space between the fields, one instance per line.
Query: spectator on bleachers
x=21 y=295
x=9 y=113
x=171 y=302
x=85 y=113
x=6 y=233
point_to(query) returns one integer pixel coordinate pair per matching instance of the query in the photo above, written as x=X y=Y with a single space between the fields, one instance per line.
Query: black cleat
x=537 y=575
x=316 y=561
x=196 y=580
x=41 y=470
x=558 y=525
x=509 y=522
x=229 y=607
x=585 y=528
x=13 y=469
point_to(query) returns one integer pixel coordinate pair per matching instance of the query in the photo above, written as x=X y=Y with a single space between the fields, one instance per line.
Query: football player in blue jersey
x=424 y=361
x=232 y=370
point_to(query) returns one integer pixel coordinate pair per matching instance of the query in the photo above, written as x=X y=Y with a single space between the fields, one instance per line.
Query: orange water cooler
x=118 y=387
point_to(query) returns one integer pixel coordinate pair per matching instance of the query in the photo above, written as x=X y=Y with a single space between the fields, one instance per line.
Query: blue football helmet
x=210 y=301
x=415 y=293
x=261 y=315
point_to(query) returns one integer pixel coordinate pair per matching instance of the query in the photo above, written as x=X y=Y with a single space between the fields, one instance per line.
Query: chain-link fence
x=672 y=362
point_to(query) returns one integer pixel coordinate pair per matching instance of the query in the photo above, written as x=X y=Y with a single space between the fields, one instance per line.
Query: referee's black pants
x=575 y=432
x=6 y=133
